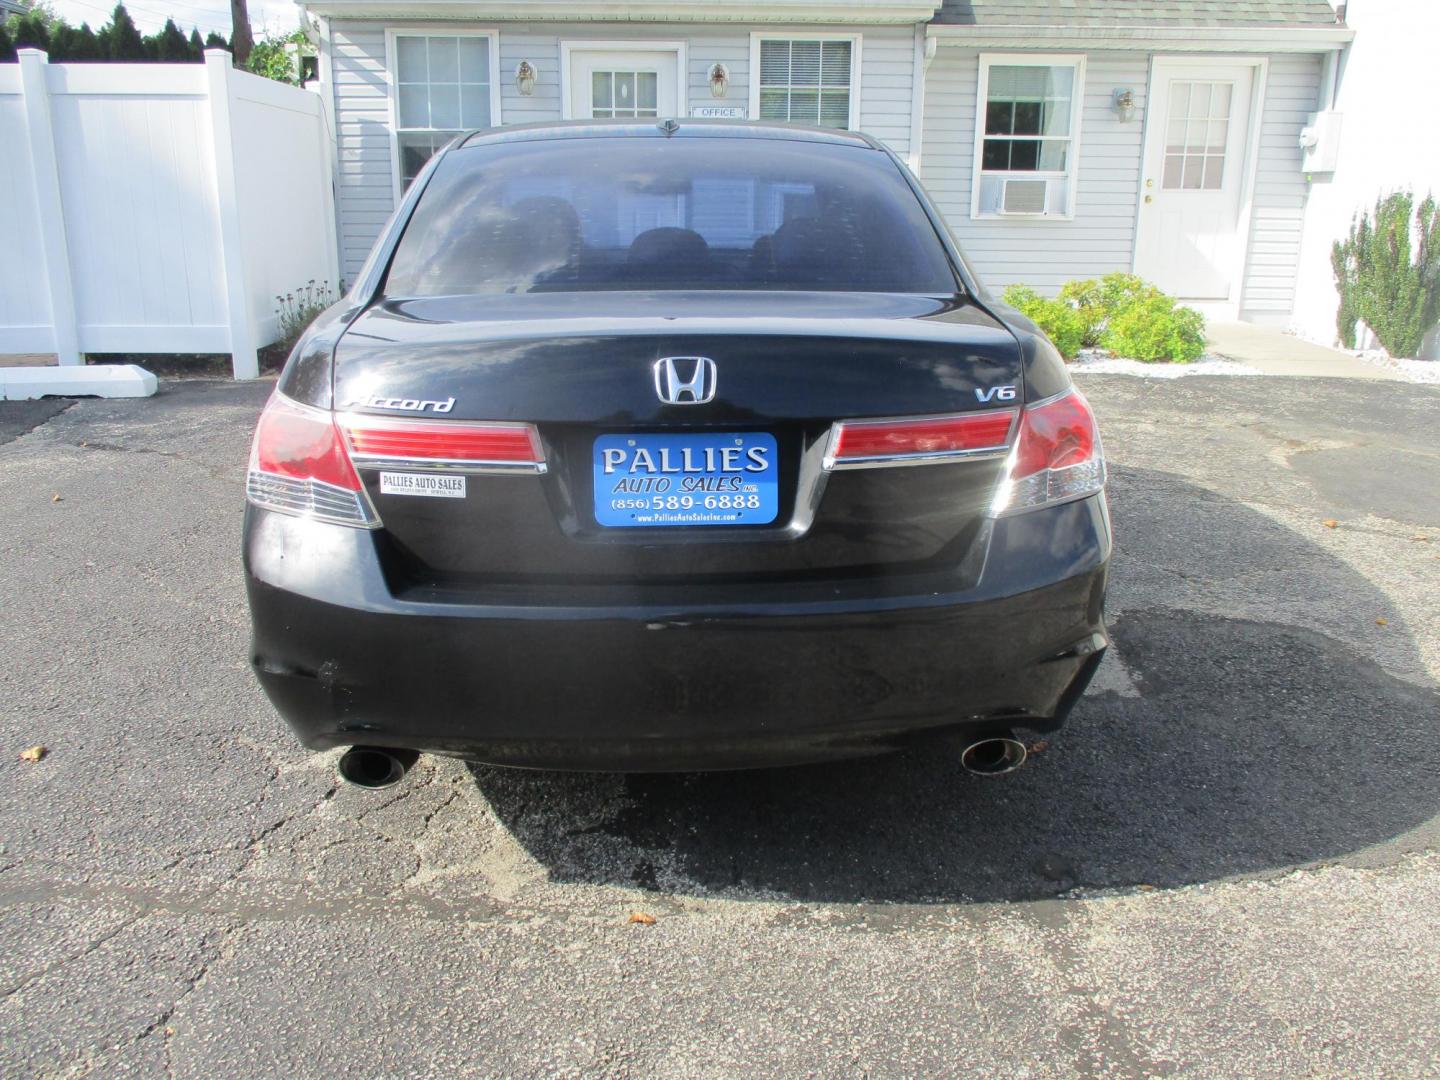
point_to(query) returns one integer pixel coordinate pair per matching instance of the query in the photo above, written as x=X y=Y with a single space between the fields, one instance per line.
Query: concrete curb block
x=101 y=380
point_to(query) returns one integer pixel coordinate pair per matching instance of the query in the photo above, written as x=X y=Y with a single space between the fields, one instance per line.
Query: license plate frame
x=685 y=479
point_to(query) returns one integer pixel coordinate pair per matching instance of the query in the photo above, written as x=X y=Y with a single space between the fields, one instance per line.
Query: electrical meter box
x=1320 y=142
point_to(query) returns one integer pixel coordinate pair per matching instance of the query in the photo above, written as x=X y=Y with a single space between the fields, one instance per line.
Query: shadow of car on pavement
x=1250 y=746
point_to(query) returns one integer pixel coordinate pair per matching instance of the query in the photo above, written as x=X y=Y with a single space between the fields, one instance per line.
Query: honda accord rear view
x=677 y=446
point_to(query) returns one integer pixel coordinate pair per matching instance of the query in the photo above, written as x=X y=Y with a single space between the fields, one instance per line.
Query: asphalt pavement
x=1225 y=865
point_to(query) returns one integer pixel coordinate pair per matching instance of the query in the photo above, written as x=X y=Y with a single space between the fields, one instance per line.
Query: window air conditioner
x=1027 y=198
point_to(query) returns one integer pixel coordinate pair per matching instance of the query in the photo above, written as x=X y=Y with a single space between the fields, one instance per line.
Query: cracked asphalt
x=1225 y=865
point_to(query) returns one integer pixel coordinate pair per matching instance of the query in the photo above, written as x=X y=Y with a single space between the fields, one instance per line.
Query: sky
x=281 y=16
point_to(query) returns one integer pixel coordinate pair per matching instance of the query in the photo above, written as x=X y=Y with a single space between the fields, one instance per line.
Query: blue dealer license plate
x=689 y=479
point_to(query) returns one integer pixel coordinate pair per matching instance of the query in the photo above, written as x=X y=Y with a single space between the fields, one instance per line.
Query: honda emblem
x=685 y=380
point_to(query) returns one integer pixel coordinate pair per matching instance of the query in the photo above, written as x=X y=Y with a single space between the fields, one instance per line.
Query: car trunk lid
x=580 y=367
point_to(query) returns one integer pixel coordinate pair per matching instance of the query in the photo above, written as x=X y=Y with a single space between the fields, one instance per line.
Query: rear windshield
x=578 y=215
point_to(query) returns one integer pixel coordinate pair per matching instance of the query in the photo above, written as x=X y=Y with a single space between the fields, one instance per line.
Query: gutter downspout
x=1330 y=79
x=327 y=101
x=924 y=53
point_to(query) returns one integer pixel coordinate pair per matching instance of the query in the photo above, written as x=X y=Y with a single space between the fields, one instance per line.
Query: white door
x=1197 y=135
x=618 y=84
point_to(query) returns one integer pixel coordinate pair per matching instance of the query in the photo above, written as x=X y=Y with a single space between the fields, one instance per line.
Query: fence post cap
x=28 y=53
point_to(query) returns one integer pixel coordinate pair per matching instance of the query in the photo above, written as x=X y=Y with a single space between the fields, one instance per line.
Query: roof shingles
x=1101 y=14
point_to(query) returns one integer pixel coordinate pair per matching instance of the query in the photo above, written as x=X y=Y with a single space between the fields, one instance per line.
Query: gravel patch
x=1419 y=371
x=1096 y=362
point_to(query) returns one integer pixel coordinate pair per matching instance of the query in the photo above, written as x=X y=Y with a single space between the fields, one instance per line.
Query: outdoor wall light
x=1125 y=104
x=525 y=78
x=719 y=80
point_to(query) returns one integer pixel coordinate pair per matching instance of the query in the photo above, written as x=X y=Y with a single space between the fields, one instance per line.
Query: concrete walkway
x=1277 y=353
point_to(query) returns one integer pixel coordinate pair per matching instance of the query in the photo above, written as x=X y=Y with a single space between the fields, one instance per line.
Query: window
x=605 y=213
x=805 y=81
x=1028 y=122
x=1199 y=128
x=624 y=94
x=442 y=86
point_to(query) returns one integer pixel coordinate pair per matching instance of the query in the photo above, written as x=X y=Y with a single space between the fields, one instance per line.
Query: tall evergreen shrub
x=1387 y=271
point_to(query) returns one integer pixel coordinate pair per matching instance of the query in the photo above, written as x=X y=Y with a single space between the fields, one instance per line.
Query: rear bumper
x=651 y=685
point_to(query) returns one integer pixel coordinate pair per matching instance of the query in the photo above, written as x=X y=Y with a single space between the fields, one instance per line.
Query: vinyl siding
x=1278 y=211
x=364 y=184
x=1043 y=253
x=362 y=106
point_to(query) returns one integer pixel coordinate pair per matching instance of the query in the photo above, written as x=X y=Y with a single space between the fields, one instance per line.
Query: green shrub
x=1347 y=282
x=297 y=310
x=1061 y=323
x=1152 y=327
x=1089 y=303
x=269 y=58
x=1384 y=280
x=1098 y=301
x=1119 y=312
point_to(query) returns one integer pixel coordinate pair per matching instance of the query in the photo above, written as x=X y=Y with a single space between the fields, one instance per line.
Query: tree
x=270 y=58
x=74 y=44
x=170 y=44
x=118 y=40
x=215 y=41
x=62 y=40
x=241 y=42
x=1387 y=272
x=121 y=40
x=31 y=30
x=85 y=46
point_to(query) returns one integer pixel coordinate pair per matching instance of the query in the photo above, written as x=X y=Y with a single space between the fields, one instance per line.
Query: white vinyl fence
x=157 y=208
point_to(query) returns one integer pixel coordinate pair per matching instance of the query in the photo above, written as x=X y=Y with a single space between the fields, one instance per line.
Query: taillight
x=1057 y=456
x=917 y=441
x=304 y=460
x=458 y=445
x=298 y=465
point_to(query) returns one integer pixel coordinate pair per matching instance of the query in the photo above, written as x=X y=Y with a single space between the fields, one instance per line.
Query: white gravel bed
x=1098 y=362
x=1421 y=371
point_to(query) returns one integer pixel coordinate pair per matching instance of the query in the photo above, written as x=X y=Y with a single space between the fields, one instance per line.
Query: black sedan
x=675 y=446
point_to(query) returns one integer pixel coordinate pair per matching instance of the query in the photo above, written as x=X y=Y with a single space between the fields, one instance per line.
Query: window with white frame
x=1028 y=125
x=1196 y=136
x=443 y=85
x=806 y=81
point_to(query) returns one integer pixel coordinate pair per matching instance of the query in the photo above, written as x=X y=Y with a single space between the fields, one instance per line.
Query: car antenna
x=669 y=125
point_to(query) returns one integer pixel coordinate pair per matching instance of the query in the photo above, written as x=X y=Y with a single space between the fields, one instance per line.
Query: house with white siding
x=1060 y=138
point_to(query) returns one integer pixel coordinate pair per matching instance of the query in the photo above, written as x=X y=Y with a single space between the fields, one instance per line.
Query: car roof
x=667 y=129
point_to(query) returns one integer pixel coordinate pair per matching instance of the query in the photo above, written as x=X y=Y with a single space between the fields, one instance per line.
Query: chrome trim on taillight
x=474 y=468
x=469 y=466
x=885 y=461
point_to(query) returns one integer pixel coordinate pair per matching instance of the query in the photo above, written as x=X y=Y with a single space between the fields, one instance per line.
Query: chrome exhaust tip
x=994 y=755
x=375 y=766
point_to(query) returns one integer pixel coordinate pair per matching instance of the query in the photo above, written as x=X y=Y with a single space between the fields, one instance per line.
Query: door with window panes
x=1196 y=140
x=638 y=84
